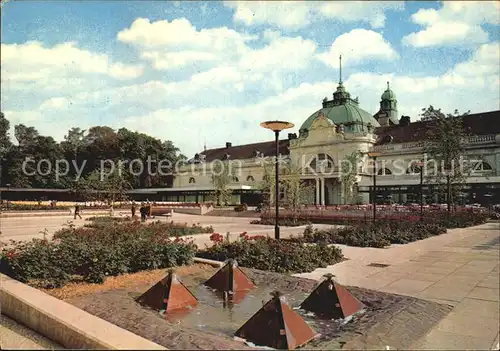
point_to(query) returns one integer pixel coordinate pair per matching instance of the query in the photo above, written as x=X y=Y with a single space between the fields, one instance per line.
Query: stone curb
x=63 y=323
x=216 y=264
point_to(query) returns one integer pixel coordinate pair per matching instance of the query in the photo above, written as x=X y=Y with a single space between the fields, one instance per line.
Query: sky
x=207 y=73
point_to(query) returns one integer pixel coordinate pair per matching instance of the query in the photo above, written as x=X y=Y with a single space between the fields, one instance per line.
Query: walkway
x=16 y=336
x=460 y=268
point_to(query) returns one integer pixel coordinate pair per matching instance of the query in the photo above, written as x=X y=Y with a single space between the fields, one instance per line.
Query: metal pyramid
x=168 y=294
x=331 y=300
x=230 y=278
x=276 y=325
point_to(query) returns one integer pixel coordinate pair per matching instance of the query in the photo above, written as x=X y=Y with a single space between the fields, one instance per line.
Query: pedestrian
x=143 y=211
x=77 y=211
x=133 y=209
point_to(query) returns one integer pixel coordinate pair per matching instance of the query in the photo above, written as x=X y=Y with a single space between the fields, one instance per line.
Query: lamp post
x=374 y=155
x=276 y=127
x=420 y=165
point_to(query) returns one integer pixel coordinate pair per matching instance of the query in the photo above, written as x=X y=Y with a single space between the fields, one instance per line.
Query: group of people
x=144 y=210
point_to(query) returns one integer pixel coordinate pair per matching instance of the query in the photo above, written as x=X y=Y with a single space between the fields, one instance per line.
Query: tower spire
x=205 y=146
x=388 y=88
x=340 y=69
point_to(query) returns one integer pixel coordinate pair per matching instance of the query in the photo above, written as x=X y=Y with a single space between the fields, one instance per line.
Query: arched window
x=235 y=179
x=384 y=171
x=413 y=169
x=321 y=162
x=192 y=181
x=250 y=179
x=482 y=166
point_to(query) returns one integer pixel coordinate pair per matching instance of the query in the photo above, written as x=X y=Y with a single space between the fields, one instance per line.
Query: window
x=384 y=171
x=321 y=162
x=235 y=179
x=250 y=179
x=482 y=166
x=191 y=180
x=413 y=169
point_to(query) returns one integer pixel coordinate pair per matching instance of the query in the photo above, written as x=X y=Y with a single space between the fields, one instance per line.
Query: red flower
x=216 y=237
x=243 y=234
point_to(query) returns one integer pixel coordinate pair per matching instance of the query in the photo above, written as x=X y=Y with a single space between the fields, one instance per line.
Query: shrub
x=458 y=219
x=241 y=208
x=379 y=234
x=104 y=250
x=274 y=255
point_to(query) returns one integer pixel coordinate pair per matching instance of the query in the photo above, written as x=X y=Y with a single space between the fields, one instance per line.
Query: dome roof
x=351 y=116
x=388 y=94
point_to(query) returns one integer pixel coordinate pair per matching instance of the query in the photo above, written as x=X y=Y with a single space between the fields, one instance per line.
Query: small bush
x=241 y=208
x=105 y=249
x=379 y=234
x=280 y=256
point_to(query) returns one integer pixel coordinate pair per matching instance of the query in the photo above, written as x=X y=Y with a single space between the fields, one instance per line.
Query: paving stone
x=405 y=286
x=439 y=340
x=444 y=293
x=429 y=277
x=471 y=324
x=484 y=294
x=448 y=264
x=473 y=307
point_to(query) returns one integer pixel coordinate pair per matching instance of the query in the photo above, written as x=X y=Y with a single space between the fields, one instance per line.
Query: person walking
x=143 y=210
x=133 y=209
x=77 y=211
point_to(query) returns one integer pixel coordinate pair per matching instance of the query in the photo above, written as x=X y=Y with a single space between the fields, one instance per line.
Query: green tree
x=444 y=148
x=297 y=191
x=221 y=178
x=349 y=174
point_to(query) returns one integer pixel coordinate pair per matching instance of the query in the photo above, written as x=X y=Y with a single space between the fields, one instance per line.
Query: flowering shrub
x=458 y=219
x=93 y=253
x=241 y=208
x=379 y=234
x=281 y=256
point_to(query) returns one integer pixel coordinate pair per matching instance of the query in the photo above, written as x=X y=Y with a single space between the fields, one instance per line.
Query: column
x=317 y=192
x=322 y=187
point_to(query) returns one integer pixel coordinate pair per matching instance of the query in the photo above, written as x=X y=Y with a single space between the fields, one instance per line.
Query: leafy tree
x=349 y=170
x=221 y=178
x=444 y=146
x=297 y=192
x=109 y=188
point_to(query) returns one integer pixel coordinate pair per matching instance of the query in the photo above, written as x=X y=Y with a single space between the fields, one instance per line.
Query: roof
x=241 y=152
x=342 y=110
x=388 y=95
x=476 y=124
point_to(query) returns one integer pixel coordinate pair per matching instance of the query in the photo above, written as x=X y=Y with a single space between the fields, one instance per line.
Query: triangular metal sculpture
x=276 y=325
x=331 y=300
x=168 y=294
x=230 y=278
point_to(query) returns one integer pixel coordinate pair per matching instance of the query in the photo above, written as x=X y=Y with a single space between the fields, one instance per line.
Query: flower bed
x=106 y=249
x=264 y=253
x=458 y=219
x=379 y=234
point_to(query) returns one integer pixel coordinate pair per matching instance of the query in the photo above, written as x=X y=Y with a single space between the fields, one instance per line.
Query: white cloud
x=358 y=45
x=455 y=23
x=31 y=60
x=371 y=12
x=293 y=15
x=284 y=14
x=178 y=43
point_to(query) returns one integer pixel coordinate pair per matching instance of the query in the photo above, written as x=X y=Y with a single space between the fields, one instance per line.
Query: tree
x=221 y=178
x=297 y=192
x=349 y=170
x=109 y=188
x=444 y=146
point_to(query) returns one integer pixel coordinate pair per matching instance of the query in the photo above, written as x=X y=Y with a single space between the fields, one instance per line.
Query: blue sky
x=196 y=72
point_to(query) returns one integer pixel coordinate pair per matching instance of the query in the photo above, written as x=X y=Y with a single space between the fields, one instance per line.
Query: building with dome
x=330 y=135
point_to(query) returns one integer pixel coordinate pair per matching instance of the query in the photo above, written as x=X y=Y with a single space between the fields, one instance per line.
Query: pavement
x=16 y=336
x=459 y=268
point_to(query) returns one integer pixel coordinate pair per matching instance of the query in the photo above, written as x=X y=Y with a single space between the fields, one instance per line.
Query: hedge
x=264 y=253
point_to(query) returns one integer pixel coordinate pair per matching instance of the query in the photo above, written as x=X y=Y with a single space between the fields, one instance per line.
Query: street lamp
x=276 y=127
x=420 y=165
x=374 y=155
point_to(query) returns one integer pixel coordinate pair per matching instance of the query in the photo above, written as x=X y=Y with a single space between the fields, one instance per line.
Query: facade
x=338 y=129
